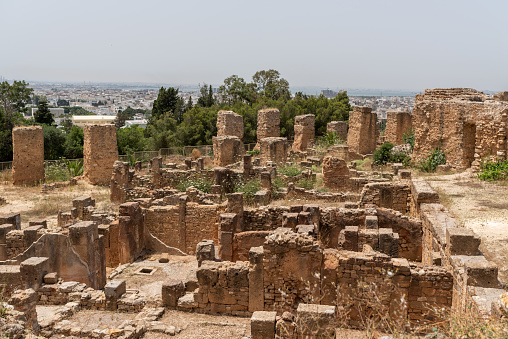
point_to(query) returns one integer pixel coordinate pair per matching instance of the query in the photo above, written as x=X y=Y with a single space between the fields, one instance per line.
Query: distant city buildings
x=57 y=112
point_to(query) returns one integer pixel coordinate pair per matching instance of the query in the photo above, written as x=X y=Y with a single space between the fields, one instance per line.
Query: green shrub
x=74 y=167
x=306 y=183
x=494 y=170
x=400 y=157
x=249 y=189
x=56 y=172
x=290 y=171
x=201 y=183
x=329 y=139
x=409 y=138
x=278 y=183
x=436 y=157
x=382 y=156
x=254 y=152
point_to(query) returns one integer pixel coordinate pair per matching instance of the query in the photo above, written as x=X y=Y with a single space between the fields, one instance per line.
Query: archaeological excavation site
x=285 y=239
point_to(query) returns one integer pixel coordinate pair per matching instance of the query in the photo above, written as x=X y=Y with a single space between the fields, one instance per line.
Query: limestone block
x=461 y=241
x=51 y=278
x=397 y=123
x=289 y=220
x=262 y=325
x=316 y=321
x=348 y=238
x=172 y=290
x=33 y=271
x=205 y=250
x=13 y=219
x=229 y=123
x=268 y=123
x=481 y=273
x=114 y=289
x=371 y=222
x=28 y=155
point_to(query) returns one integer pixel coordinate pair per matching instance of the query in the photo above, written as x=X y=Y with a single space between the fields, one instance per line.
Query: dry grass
x=6 y=176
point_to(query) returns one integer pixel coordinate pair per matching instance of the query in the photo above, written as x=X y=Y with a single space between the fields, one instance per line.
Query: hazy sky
x=406 y=44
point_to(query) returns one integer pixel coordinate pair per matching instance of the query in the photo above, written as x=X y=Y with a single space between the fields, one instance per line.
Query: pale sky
x=406 y=44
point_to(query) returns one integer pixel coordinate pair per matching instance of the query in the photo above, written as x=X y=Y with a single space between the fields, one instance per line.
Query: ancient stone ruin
x=363 y=130
x=100 y=152
x=397 y=123
x=338 y=127
x=297 y=262
x=466 y=124
x=28 y=160
x=268 y=124
x=304 y=132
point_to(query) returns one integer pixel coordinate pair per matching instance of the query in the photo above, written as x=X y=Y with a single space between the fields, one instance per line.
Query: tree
x=13 y=99
x=43 y=115
x=167 y=100
x=189 y=105
x=54 y=141
x=62 y=102
x=131 y=139
x=235 y=89
x=206 y=99
x=271 y=85
x=73 y=146
x=121 y=117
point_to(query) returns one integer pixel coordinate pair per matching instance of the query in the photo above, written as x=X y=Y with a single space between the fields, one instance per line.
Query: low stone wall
x=334 y=220
x=244 y=241
x=223 y=288
x=391 y=195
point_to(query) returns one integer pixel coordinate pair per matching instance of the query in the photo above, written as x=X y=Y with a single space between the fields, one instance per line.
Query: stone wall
x=363 y=130
x=100 y=152
x=183 y=226
x=397 y=123
x=28 y=155
x=393 y=195
x=227 y=150
x=466 y=124
x=273 y=149
x=304 y=132
x=290 y=261
x=268 y=124
x=335 y=173
x=338 y=127
x=223 y=288
x=244 y=241
x=229 y=123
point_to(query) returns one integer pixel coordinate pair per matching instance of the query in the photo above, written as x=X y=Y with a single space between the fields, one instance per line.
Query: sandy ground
x=482 y=207
x=33 y=204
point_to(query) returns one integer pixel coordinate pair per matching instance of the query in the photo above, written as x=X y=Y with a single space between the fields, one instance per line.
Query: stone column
x=227 y=224
x=235 y=205
x=268 y=124
x=363 y=130
x=28 y=155
x=304 y=132
x=100 y=152
x=274 y=150
x=229 y=124
x=397 y=123
x=256 y=283
x=227 y=150
x=119 y=181
x=156 y=166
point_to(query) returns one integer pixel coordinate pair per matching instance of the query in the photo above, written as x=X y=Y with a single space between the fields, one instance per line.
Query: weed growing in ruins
x=74 y=167
x=6 y=175
x=306 y=183
x=201 y=183
x=328 y=140
x=278 y=183
x=57 y=172
x=249 y=189
x=382 y=156
x=409 y=138
x=436 y=157
x=317 y=168
x=494 y=171
x=290 y=171
x=254 y=152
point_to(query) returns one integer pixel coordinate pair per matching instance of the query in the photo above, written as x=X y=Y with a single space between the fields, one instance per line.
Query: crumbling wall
x=363 y=130
x=338 y=127
x=290 y=262
x=28 y=155
x=304 y=132
x=223 y=288
x=334 y=220
x=273 y=149
x=268 y=124
x=229 y=123
x=227 y=150
x=466 y=124
x=391 y=195
x=397 y=123
x=100 y=152
x=336 y=173
x=244 y=241
x=201 y=222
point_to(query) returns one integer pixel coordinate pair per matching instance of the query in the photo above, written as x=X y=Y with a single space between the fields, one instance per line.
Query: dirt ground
x=33 y=204
x=482 y=207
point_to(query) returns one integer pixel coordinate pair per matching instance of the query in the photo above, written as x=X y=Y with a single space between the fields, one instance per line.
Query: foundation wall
x=28 y=155
x=100 y=152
